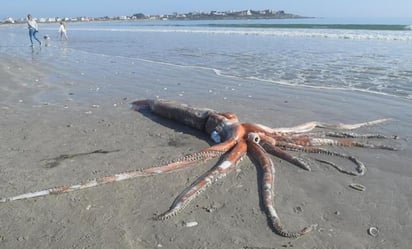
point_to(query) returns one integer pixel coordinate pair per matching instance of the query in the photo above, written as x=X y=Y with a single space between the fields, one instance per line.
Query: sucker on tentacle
x=233 y=141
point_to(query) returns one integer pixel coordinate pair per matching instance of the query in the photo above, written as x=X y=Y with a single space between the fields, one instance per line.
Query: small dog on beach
x=46 y=40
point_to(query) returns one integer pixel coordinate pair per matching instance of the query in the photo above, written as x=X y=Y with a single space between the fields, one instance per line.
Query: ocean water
x=123 y=57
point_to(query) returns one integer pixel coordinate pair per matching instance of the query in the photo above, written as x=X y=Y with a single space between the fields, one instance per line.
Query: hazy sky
x=314 y=8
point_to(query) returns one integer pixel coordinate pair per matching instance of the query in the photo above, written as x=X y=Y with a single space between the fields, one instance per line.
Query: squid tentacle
x=351 y=143
x=179 y=163
x=269 y=144
x=312 y=125
x=356 y=135
x=335 y=134
x=201 y=183
x=258 y=153
x=310 y=141
x=360 y=167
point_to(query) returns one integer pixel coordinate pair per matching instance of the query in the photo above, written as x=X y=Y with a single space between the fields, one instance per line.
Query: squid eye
x=215 y=137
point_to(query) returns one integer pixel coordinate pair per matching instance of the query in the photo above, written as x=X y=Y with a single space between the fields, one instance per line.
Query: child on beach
x=63 y=31
x=33 y=29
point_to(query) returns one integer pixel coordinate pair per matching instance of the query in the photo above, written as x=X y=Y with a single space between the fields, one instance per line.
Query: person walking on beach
x=63 y=31
x=33 y=29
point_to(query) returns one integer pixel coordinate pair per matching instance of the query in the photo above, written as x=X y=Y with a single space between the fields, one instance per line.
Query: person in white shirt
x=63 y=31
x=33 y=29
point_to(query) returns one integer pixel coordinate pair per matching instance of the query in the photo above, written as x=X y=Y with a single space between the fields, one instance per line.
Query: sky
x=313 y=8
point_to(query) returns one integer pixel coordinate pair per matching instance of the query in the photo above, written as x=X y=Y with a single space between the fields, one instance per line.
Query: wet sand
x=229 y=213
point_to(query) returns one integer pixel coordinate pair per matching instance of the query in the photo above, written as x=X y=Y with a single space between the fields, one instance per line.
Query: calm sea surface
x=369 y=56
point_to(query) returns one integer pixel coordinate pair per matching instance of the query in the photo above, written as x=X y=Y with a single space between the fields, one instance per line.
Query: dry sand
x=228 y=214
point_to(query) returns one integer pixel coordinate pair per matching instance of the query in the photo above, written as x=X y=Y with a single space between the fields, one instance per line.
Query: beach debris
x=95 y=106
x=190 y=224
x=21 y=238
x=213 y=207
x=357 y=186
x=289 y=244
x=373 y=231
x=88 y=207
x=298 y=209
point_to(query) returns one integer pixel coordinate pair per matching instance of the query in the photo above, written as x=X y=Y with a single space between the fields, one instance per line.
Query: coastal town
x=209 y=15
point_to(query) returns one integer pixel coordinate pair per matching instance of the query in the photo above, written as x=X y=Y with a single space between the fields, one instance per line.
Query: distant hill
x=223 y=15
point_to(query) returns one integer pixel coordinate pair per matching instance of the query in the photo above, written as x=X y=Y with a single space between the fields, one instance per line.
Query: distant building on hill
x=8 y=20
x=209 y=15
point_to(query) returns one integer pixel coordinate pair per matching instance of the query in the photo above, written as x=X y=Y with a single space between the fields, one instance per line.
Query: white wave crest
x=316 y=33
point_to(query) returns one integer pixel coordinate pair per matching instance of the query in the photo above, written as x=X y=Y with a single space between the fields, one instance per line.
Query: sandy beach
x=229 y=213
